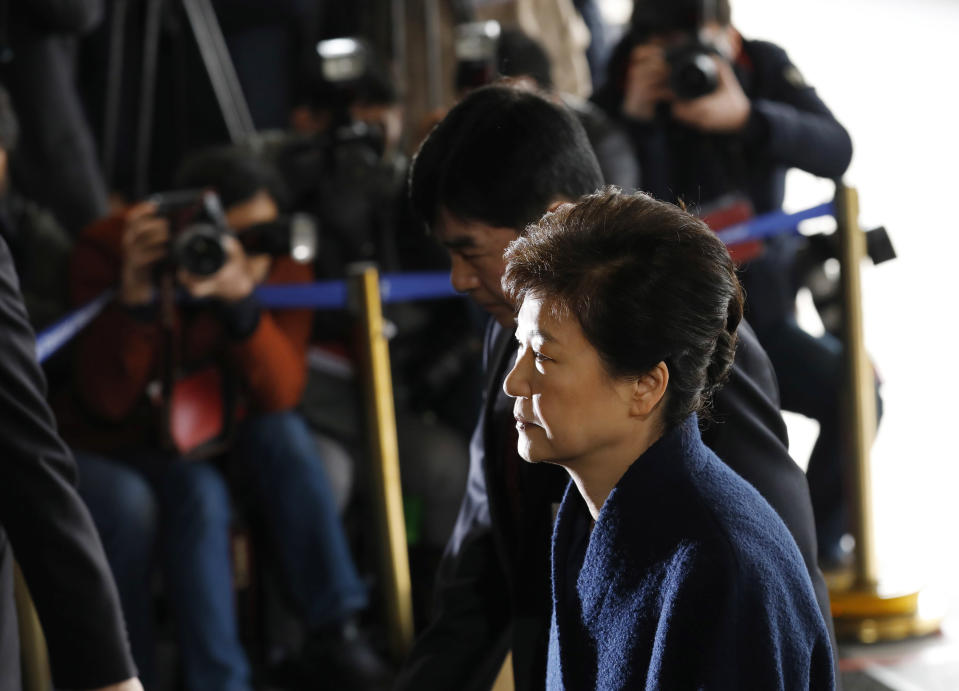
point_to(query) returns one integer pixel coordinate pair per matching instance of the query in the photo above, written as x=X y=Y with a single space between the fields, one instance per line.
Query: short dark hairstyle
x=657 y=16
x=647 y=282
x=519 y=55
x=236 y=175
x=9 y=126
x=500 y=157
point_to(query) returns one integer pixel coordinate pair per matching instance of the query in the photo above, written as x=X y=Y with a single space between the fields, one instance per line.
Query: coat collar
x=677 y=453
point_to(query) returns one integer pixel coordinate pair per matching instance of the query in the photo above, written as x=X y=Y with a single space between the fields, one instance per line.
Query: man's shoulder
x=752 y=362
x=761 y=52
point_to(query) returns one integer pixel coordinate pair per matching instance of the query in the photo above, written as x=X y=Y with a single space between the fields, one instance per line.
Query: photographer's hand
x=647 y=82
x=145 y=241
x=234 y=281
x=726 y=110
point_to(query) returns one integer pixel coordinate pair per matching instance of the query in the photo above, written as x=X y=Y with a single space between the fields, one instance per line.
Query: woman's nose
x=515 y=383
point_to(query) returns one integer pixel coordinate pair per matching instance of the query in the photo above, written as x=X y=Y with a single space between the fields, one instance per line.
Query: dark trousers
x=810 y=373
x=192 y=503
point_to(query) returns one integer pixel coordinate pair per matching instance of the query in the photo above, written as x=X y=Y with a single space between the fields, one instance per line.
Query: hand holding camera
x=146 y=241
x=187 y=233
x=234 y=281
x=697 y=81
x=724 y=110
x=647 y=82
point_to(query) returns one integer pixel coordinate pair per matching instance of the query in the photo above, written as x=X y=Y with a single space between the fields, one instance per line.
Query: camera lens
x=199 y=249
x=692 y=72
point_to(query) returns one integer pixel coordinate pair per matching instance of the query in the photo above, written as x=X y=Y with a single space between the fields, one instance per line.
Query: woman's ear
x=649 y=389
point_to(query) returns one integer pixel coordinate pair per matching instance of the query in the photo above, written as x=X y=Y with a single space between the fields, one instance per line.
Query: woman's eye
x=540 y=357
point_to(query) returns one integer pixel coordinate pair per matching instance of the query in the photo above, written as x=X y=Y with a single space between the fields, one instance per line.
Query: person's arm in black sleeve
x=51 y=532
x=789 y=123
x=464 y=643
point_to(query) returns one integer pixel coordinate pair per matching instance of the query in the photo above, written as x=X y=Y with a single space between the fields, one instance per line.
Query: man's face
x=476 y=252
x=260 y=208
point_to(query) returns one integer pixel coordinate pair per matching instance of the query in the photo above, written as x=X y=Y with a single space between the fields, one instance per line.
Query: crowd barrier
x=399 y=287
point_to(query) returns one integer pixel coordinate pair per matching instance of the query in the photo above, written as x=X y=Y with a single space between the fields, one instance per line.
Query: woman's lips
x=522 y=422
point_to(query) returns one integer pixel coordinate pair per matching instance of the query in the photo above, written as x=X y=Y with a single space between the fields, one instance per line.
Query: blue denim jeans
x=288 y=483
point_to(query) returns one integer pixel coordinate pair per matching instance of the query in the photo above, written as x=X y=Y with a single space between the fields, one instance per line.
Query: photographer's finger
x=140 y=210
x=146 y=230
x=149 y=254
x=647 y=53
x=197 y=286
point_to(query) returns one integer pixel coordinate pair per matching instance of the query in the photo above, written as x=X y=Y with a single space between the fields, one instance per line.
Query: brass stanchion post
x=35 y=663
x=378 y=388
x=863 y=609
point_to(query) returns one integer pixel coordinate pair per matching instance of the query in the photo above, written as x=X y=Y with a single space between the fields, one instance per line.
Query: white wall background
x=889 y=69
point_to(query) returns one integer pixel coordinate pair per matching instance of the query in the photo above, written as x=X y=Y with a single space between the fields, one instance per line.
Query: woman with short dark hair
x=669 y=570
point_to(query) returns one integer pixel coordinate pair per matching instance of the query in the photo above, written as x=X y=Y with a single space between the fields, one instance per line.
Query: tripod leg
x=111 y=109
x=219 y=67
x=151 y=44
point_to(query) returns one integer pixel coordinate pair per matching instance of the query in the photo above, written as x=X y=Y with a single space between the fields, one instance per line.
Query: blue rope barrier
x=770 y=224
x=319 y=295
x=51 y=339
x=402 y=287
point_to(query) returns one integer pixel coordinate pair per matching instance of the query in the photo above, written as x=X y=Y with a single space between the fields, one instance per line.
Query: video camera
x=198 y=227
x=340 y=174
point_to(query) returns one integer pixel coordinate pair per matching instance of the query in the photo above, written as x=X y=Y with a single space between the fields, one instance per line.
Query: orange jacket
x=118 y=355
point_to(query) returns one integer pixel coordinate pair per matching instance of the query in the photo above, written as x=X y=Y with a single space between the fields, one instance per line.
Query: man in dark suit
x=497 y=161
x=42 y=517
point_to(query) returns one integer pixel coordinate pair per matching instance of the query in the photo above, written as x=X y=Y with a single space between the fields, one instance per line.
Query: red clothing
x=118 y=355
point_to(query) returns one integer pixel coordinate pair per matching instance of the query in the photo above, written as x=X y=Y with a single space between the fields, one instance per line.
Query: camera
x=692 y=69
x=198 y=228
x=340 y=173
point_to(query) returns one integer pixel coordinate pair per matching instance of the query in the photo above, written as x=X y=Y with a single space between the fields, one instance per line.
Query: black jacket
x=493 y=587
x=46 y=523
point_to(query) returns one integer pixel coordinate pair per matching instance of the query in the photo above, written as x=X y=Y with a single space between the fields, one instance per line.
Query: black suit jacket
x=493 y=587
x=49 y=528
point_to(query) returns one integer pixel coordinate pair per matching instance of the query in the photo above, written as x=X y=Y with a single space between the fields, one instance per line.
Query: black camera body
x=198 y=228
x=692 y=69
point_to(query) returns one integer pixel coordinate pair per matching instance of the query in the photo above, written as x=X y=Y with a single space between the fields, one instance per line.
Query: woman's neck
x=595 y=476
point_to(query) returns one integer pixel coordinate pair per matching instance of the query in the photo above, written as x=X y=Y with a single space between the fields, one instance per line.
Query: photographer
x=218 y=352
x=716 y=120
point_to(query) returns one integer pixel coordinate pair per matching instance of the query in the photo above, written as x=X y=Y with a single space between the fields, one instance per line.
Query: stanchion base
x=878 y=629
x=874 y=614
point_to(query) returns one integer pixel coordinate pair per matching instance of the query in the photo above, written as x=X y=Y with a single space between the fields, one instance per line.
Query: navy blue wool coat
x=688 y=580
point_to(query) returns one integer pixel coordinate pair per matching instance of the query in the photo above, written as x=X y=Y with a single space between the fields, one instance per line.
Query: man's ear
x=648 y=390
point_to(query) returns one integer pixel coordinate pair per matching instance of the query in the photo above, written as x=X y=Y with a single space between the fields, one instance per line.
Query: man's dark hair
x=519 y=55
x=234 y=174
x=647 y=282
x=658 y=16
x=9 y=126
x=500 y=157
